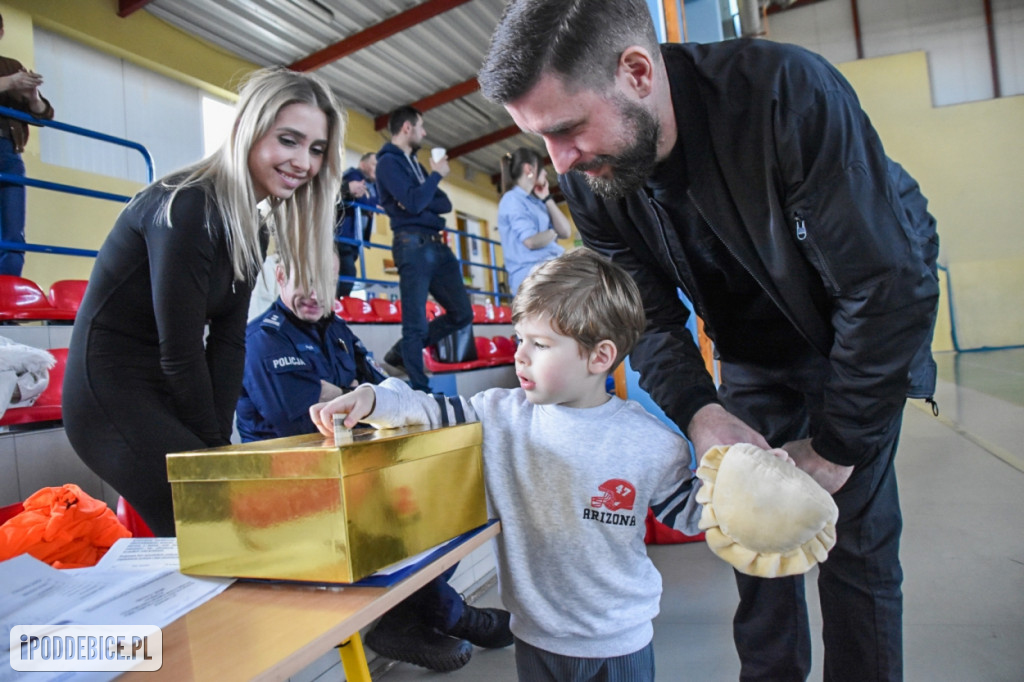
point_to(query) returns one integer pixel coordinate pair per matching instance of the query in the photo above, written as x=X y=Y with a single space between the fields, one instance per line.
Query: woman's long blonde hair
x=303 y=225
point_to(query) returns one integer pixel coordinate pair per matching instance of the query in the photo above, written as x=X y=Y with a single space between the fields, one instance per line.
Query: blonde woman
x=157 y=353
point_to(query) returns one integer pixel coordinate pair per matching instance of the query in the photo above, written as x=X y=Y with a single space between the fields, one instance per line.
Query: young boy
x=570 y=470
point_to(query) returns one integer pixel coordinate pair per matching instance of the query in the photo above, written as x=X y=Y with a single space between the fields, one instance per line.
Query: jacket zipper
x=664 y=244
x=729 y=249
x=801 y=235
x=782 y=308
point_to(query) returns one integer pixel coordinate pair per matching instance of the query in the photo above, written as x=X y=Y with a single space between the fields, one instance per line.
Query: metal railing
x=67 y=189
x=357 y=218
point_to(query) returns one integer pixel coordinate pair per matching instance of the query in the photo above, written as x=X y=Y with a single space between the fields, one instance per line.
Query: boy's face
x=553 y=369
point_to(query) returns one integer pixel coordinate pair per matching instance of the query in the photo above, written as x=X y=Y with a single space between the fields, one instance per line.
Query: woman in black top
x=145 y=374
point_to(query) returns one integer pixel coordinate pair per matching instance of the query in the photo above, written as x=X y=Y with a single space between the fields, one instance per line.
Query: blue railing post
x=459 y=235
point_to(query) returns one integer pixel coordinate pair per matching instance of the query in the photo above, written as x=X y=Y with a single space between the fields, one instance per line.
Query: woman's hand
x=356 y=405
x=542 y=189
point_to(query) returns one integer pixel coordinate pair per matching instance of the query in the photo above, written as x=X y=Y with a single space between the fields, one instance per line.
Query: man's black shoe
x=393 y=362
x=410 y=642
x=394 y=357
x=484 y=627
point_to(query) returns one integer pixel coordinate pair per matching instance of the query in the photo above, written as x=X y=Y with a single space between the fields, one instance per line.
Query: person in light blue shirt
x=529 y=221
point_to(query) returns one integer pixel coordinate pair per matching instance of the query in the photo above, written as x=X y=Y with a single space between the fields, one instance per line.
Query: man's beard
x=631 y=167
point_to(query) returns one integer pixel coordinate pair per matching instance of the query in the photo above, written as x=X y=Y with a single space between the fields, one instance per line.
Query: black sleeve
x=225 y=357
x=667 y=358
x=859 y=237
x=181 y=259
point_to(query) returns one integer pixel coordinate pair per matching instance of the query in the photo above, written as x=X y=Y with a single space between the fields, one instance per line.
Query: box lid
x=313 y=456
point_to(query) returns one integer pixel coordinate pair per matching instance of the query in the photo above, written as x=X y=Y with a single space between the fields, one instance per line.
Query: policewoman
x=296 y=353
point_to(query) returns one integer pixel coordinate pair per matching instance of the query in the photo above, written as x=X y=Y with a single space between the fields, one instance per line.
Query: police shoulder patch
x=272 y=321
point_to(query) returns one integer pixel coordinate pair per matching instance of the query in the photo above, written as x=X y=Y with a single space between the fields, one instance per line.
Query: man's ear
x=602 y=357
x=636 y=70
x=279 y=275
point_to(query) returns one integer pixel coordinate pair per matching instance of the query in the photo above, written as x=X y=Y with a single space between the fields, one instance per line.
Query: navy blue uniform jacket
x=285 y=359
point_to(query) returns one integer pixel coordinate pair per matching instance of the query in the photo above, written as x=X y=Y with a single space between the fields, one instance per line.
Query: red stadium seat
x=387 y=311
x=10 y=511
x=479 y=314
x=22 y=299
x=434 y=309
x=47 y=406
x=486 y=350
x=432 y=364
x=506 y=349
x=66 y=294
x=131 y=520
x=503 y=314
x=357 y=310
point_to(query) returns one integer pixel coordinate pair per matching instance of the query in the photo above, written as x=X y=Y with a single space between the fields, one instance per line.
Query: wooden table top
x=262 y=631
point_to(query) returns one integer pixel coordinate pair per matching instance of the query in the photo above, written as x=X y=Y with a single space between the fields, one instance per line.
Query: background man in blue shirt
x=414 y=203
x=359 y=185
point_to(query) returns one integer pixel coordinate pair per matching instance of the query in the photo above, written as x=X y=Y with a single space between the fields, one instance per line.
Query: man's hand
x=713 y=425
x=357 y=405
x=440 y=167
x=357 y=188
x=829 y=475
x=22 y=81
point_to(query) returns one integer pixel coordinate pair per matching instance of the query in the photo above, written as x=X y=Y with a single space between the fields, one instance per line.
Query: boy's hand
x=357 y=404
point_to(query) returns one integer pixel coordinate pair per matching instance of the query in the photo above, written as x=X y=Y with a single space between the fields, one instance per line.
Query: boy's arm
x=390 y=404
x=675 y=502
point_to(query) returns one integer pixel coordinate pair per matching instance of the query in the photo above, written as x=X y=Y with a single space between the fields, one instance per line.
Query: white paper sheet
x=136 y=583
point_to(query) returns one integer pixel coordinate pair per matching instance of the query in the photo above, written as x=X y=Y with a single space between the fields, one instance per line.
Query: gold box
x=303 y=508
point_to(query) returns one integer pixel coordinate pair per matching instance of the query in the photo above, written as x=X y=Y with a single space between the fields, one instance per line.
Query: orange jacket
x=62 y=526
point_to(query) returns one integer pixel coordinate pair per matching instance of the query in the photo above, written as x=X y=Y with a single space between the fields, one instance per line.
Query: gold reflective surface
x=303 y=508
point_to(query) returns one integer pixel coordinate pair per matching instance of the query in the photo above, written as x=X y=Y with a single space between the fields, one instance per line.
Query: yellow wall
x=969 y=160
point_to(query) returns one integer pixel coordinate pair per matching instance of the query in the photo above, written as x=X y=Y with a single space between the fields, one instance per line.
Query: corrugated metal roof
x=403 y=68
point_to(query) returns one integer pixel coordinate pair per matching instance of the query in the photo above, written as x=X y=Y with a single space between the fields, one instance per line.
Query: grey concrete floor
x=961 y=482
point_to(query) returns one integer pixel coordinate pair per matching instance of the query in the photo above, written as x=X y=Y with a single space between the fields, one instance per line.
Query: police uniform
x=285 y=359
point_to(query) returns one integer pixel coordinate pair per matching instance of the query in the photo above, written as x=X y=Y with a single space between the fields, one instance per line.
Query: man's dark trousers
x=859 y=584
x=426 y=265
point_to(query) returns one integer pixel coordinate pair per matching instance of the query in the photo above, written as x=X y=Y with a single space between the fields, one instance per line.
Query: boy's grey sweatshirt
x=571 y=487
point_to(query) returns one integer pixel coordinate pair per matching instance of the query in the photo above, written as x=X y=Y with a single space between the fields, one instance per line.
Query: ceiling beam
x=126 y=7
x=437 y=99
x=375 y=33
x=486 y=140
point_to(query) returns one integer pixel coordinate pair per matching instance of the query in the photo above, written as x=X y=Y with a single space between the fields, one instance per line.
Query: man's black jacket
x=787 y=170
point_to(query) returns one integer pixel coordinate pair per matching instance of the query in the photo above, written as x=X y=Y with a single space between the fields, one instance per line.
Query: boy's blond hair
x=585 y=297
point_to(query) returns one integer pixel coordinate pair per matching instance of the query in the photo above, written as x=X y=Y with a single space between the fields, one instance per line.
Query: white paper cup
x=437 y=153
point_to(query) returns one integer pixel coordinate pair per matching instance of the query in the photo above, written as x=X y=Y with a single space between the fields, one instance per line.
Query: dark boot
x=484 y=627
x=393 y=362
x=406 y=640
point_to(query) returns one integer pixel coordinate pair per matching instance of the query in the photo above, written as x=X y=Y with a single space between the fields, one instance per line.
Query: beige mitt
x=762 y=514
